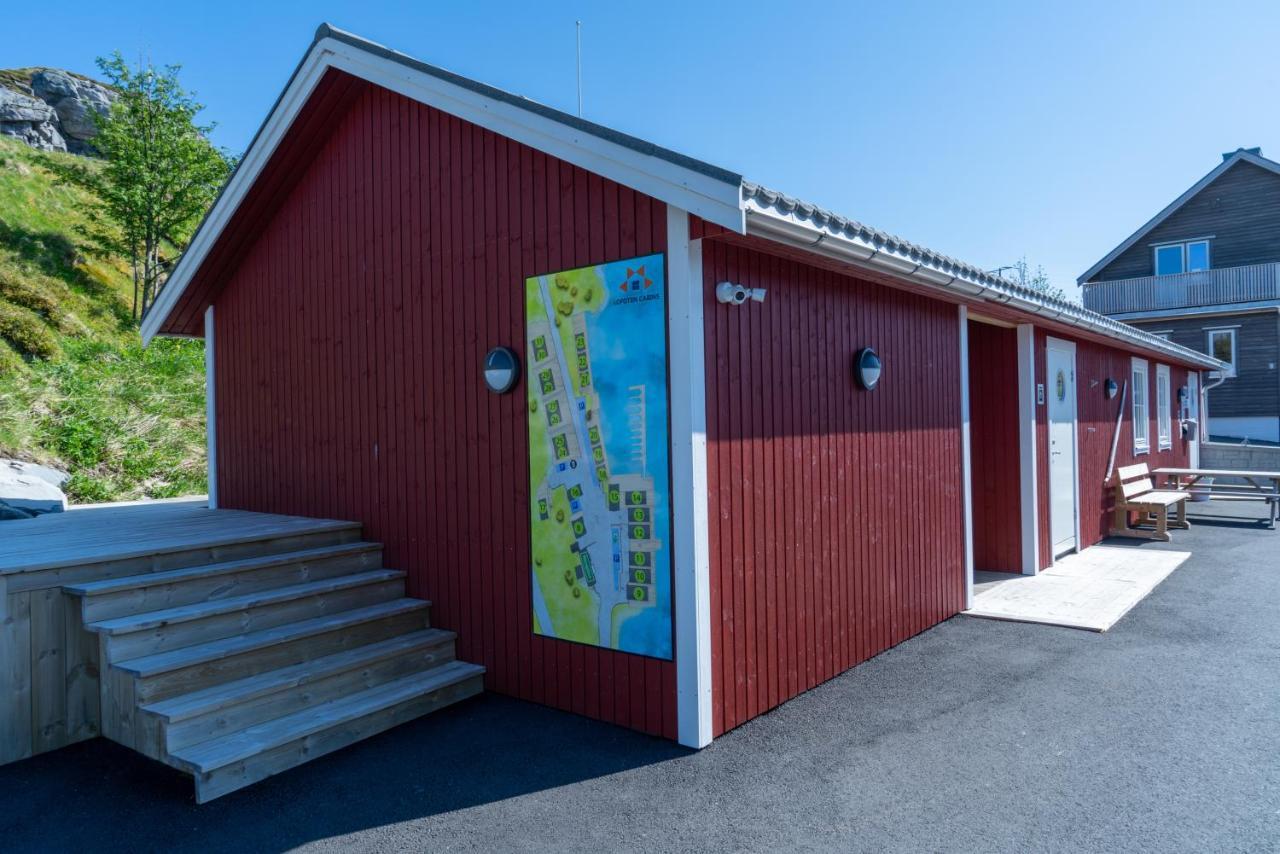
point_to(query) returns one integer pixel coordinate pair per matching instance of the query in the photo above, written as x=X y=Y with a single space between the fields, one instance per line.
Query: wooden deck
x=48 y=663
x=111 y=532
x=229 y=645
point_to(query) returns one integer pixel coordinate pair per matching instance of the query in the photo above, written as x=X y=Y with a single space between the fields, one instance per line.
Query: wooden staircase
x=237 y=670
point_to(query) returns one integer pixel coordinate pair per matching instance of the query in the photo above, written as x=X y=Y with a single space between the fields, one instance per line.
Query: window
x=1141 y=426
x=1172 y=258
x=1197 y=256
x=1164 y=419
x=1166 y=334
x=1222 y=346
x=1169 y=260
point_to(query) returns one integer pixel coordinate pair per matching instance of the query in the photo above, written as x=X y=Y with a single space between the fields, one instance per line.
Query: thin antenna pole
x=578 y=25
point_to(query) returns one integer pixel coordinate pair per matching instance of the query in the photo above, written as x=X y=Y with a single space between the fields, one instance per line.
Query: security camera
x=728 y=292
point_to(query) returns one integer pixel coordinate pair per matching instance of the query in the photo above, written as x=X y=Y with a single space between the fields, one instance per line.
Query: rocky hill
x=51 y=109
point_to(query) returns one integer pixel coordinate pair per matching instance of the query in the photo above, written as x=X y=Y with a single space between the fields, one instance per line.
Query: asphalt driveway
x=1160 y=735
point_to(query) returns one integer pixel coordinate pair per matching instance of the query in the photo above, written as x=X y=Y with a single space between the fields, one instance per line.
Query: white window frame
x=1141 y=442
x=1208 y=338
x=1185 y=247
x=1164 y=414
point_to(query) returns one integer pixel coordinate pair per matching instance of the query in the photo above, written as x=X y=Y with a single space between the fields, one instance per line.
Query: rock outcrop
x=30 y=489
x=51 y=109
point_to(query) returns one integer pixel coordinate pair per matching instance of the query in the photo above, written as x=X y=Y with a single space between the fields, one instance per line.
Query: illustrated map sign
x=599 y=496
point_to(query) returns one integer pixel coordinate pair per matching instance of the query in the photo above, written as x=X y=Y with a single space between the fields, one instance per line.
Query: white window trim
x=1208 y=340
x=1185 y=246
x=1143 y=445
x=1164 y=413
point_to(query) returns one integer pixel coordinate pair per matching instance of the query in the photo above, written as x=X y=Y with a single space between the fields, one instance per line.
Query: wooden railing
x=1185 y=290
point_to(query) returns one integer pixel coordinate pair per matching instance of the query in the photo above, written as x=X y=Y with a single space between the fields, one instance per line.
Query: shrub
x=25 y=332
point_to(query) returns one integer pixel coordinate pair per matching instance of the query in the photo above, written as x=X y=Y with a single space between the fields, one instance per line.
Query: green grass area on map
x=573 y=618
x=576 y=292
x=554 y=565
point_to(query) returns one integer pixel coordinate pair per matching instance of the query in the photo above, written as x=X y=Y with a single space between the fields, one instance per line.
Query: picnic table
x=1257 y=485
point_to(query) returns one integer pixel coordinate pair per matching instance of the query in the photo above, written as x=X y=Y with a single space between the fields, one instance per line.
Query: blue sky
x=988 y=131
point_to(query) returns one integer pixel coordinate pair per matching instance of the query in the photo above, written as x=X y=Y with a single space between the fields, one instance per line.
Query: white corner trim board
x=691 y=550
x=1029 y=493
x=210 y=409
x=708 y=197
x=966 y=459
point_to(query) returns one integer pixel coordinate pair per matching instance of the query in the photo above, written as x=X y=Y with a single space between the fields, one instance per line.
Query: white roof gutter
x=790 y=229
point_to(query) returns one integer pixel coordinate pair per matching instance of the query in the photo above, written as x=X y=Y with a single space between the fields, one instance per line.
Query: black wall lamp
x=501 y=370
x=867 y=368
x=1111 y=388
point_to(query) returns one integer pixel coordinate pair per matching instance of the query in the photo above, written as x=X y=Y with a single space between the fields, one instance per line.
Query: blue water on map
x=628 y=347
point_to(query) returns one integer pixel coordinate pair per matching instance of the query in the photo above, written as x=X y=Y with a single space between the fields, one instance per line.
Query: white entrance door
x=1063 y=483
x=1193 y=412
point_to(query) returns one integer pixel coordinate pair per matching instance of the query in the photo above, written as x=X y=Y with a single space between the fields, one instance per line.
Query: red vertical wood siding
x=993 y=443
x=1096 y=425
x=836 y=516
x=350 y=339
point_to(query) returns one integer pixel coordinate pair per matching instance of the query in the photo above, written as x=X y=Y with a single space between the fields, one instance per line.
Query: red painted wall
x=836 y=517
x=1096 y=422
x=993 y=447
x=349 y=345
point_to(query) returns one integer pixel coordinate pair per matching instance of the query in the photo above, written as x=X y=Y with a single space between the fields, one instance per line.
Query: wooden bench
x=1135 y=493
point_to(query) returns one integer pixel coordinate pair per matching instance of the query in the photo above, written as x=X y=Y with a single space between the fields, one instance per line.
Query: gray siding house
x=1205 y=273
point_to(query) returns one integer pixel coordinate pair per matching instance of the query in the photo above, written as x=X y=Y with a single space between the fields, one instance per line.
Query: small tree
x=1037 y=280
x=160 y=173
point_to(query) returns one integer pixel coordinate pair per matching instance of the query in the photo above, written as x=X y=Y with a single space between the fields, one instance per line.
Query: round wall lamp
x=1110 y=388
x=501 y=370
x=867 y=368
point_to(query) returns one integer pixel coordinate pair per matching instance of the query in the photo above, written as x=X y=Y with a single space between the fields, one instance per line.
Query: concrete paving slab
x=1091 y=590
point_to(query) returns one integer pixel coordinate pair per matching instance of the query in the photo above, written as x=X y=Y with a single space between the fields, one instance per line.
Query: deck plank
x=113 y=532
x=16 y=740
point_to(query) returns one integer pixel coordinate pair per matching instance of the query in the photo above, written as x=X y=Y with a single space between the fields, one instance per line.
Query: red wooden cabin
x=374 y=245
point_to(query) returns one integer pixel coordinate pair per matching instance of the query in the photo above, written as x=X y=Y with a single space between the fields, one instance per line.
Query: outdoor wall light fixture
x=501 y=370
x=867 y=368
x=1111 y=388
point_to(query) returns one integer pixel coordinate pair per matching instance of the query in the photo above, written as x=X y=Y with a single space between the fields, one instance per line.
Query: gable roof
x=714 y=194
x=1240 y=155
x=708 y=191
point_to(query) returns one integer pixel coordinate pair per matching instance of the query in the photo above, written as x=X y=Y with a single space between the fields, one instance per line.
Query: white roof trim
x=1239 y=157
x=710 y=196
x=784 y=220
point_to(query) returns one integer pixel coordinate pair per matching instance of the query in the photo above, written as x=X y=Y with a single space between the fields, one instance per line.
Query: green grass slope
x=77 y=390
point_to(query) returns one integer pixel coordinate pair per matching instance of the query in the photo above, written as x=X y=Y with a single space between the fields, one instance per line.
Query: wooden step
x=213 y=712
x=225 y=764
x=180 y=671
x=153 y=632
x=135 y=594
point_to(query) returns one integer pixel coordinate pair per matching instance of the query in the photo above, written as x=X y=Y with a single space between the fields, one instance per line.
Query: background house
x=1205 y=273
